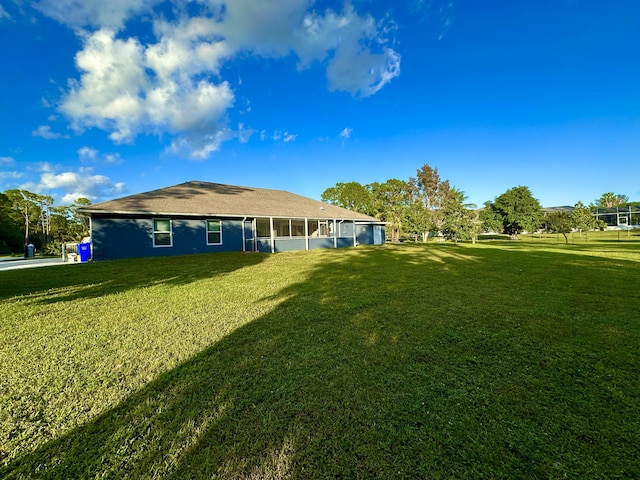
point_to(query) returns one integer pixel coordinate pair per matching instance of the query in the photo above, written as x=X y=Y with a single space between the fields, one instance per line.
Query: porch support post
x=354 y=232
x=273 y=239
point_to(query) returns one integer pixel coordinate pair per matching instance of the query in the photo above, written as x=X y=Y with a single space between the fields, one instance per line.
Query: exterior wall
x=368 y=234
x=133 y=237
x=364 y=234
x=344 y=242
x=325 y=242
x=290 y=244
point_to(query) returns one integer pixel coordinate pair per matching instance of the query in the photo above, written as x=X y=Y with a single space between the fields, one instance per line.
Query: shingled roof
x=216 y=199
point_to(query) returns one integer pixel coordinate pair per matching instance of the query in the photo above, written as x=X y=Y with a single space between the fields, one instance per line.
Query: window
x=162 y=233
x=285 y=227
x=320 y=228
x=214 y=232
x=263 y=227
x=297 y=228
x=345 y=229
x=282 y=227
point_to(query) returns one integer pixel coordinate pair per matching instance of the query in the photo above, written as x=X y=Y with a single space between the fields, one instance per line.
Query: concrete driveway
x=12 y=263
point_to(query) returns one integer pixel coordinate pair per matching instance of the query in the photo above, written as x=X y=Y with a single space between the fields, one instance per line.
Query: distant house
x=199 y=217
x=614 y=218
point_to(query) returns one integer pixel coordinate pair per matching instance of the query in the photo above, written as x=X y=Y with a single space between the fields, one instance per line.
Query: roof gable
x=216 y=199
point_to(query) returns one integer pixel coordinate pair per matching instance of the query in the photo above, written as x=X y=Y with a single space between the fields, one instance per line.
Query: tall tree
x=559 y=222
x=612 y=200
x=81 y=222
x=45 y=202
x=351 y=195
x=516 y=210
x=460 y=220
x=25 y=208
x=10 y=229
x=417 y=221
x=430 y=191
x=391 y=201
x=490 y=219
x=583 y=219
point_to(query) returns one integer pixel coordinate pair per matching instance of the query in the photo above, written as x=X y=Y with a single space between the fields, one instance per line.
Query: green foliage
x=53 y=249
x=501 y=360
x=351 y=195
x=583 y=219
x=10 y=236
x=417 y=222
x=391 y=202
x=560 y=222
x=516 y=210
x=29 y=217
x=459 y=222
x=611 y=200
x=431 y=195
x=490 y=219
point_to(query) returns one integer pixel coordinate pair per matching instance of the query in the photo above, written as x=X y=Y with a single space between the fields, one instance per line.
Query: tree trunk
x=26 y=224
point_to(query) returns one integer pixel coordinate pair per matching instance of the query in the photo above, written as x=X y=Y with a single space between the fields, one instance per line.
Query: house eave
x=221 y=215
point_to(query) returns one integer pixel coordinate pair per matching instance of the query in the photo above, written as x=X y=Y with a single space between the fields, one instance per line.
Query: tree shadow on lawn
x=95 y=279
x=385 y=363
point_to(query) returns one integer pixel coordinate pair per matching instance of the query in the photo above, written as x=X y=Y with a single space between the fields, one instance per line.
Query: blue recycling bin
x=84 y=250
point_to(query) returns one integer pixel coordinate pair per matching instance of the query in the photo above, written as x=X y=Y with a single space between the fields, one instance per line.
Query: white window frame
x=170 y=232
x=207 y=231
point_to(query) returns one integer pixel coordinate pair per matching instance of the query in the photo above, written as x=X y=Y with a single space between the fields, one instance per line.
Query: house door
x=249 y=237
x=377 y=235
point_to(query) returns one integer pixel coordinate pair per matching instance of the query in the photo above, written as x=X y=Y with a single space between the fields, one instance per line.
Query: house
x=199 y=217
x=614 y=218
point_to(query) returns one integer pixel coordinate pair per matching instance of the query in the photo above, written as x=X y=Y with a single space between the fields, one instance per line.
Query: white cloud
x=118 y=93
x=87 y=154
x=44 y=167
x=173 y=84
x=4 y=14
x=91 y=155
x=112 y=159
x=289 y=137
x=279 y=135
x=82 y=183
x=199 y=146
x=45 y=132
x=346 y=133
x=6 y=161
x=97 y=13
x=354 y=66
x=244 y=134
x=10 y=175
x=362 y=73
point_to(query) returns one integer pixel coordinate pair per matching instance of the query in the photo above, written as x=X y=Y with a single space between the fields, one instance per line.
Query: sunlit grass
x=502 y=359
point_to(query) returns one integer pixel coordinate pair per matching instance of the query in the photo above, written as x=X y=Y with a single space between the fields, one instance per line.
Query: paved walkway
x=12 y=263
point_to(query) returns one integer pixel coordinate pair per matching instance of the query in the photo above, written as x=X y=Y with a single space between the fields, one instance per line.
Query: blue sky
x=104 y=99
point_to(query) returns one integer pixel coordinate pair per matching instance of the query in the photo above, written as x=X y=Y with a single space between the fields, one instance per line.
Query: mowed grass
x=498 y=360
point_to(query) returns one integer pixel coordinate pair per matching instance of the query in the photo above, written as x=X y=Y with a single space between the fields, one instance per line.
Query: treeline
x=417 y=208
x=426 y=206
x=27 y=217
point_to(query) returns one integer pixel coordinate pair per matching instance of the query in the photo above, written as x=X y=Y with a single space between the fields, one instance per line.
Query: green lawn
x=497 y=360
